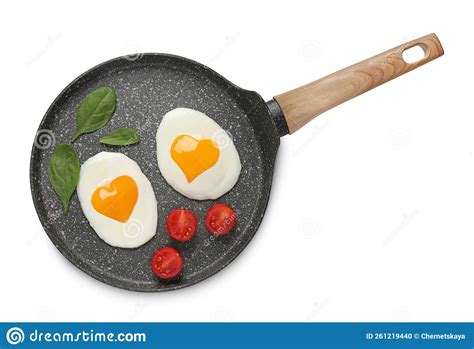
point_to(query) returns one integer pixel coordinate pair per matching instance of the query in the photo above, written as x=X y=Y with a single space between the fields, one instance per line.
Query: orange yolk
x=116 y=199
x=194 y=156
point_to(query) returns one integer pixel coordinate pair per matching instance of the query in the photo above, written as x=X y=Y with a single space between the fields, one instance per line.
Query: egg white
x=141 y=226
x=215 y=181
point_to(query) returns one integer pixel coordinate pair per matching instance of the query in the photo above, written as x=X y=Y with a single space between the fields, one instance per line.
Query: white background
x=371 y=213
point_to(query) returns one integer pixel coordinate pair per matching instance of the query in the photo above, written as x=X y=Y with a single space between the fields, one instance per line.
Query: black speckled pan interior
x=148 y=86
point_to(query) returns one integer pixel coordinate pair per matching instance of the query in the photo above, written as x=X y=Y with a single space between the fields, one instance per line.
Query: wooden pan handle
x=301 y=105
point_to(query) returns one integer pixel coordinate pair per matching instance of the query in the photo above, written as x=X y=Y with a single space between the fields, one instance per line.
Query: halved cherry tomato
x=220 y=219
x=181 y=224
x=167 y=263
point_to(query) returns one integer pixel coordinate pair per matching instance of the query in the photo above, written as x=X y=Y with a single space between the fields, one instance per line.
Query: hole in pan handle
x=301 y=105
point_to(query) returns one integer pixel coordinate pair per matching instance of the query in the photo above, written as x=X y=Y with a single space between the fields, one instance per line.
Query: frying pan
x=148 y=86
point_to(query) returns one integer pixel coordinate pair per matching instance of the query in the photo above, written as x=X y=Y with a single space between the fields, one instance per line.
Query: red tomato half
x=220 y=219
x=167 y=263
x=181 y=225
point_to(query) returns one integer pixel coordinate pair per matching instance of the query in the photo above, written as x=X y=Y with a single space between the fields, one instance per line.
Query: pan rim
x=84 y=267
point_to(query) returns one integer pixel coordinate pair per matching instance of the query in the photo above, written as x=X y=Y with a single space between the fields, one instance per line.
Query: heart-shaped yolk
x=116 y=199
x=194 y=156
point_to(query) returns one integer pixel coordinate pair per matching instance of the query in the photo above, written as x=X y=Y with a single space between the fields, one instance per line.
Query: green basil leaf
x=63 y=172
x=122 y=136
x=95 y=110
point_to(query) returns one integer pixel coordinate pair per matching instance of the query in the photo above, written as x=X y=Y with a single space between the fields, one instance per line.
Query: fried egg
x=117 y=200
x=195 y=155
